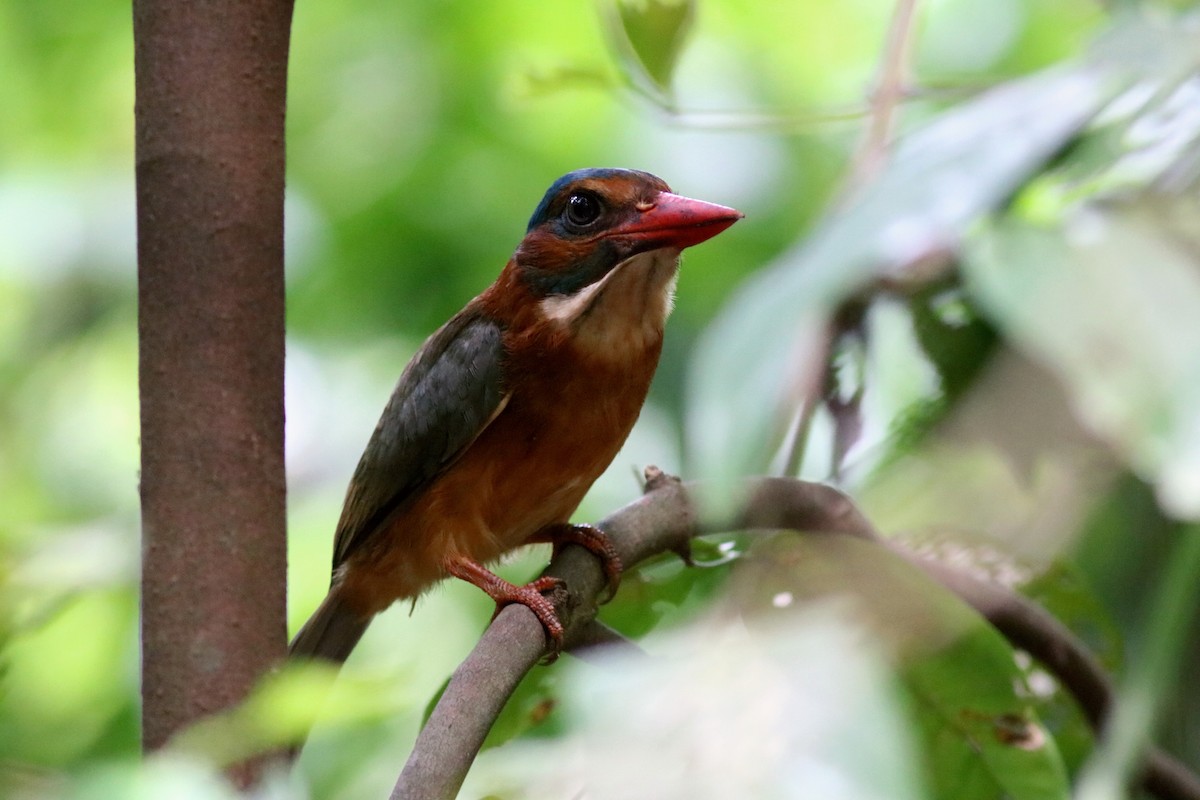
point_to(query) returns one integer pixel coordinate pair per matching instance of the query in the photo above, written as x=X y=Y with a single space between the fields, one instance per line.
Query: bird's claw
x=530 y=595
x=596 y=542
x=505 y=593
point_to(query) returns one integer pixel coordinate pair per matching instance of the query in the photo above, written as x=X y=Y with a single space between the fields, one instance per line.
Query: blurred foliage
x=965 y=695
x=713 y=715
x=1027 y=275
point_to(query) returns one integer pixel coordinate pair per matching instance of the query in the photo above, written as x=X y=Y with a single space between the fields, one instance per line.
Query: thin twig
x=796 y=446
x=890 y=91
x=810 y=387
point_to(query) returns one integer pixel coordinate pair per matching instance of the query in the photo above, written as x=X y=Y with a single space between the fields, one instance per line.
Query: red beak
x=676 y=221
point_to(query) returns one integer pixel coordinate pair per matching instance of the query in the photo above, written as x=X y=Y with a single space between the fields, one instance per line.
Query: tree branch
x=664 y=520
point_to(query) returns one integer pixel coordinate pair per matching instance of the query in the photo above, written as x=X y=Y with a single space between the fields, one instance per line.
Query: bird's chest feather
x=559 y=432
x=576 y=372
x=529 y=468
x=565 y=419
x=583 y=375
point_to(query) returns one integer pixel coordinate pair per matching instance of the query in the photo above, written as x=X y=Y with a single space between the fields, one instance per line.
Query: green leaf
x=957 y=342
x=1061 y=589
x=1110 y=304
x=981 y=740
x=284 y=708
x=532 y=708
x=665 y=591
x=654 y=32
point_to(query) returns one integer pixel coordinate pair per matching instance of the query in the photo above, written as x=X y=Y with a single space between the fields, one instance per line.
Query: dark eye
x=583 y=209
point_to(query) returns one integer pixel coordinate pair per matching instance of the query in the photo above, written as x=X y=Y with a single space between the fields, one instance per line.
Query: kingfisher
x=510 y=411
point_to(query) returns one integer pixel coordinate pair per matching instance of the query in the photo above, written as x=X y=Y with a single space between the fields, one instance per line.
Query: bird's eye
x=583 y=209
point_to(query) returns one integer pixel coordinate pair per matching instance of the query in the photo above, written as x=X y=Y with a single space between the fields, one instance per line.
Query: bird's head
x=603 y=247
x=592 y=220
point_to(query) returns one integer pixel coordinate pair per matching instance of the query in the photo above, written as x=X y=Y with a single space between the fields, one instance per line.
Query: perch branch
x=664 y=520
x=660 y=521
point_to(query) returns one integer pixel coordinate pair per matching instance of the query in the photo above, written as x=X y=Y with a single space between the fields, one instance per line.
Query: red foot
x=590 y=538
x=504 y=593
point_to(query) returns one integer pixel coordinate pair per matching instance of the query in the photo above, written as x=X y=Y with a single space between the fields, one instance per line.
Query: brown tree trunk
x=211 y=85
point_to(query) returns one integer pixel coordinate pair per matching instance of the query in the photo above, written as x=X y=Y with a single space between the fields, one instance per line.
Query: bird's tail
x=330 y=633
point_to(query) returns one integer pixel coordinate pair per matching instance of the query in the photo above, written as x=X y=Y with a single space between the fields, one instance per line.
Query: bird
x=510 y=411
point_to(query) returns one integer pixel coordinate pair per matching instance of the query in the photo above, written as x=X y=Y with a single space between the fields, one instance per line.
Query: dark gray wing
x=446 y=396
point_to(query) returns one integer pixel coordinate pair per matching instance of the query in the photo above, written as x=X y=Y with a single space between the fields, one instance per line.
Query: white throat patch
x=624 y=311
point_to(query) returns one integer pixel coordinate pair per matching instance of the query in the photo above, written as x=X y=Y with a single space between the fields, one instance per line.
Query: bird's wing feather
x=450 y=392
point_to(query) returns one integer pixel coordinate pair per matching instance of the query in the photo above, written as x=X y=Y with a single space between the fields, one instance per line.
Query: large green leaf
x=1111 y=305
x=754 y=359
x=981 y=740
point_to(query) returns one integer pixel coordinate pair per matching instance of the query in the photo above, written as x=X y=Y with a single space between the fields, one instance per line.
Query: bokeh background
x=420 y=137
